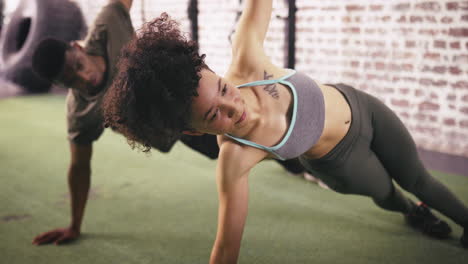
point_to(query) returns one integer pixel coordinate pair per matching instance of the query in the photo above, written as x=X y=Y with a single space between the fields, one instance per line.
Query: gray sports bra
x=308 y=116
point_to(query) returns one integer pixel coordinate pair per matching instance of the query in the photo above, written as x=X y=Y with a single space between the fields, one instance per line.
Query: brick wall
x=411 y=54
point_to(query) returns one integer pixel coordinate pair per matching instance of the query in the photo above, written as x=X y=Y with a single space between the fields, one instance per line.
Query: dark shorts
x=84 y=118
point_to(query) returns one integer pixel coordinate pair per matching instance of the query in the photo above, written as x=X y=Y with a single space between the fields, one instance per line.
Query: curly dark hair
x=158 y=75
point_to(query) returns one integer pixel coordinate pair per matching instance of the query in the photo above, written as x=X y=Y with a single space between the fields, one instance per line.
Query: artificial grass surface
x=162 y=208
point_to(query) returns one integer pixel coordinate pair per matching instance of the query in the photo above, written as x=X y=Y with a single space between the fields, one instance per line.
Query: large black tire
x=31 y=22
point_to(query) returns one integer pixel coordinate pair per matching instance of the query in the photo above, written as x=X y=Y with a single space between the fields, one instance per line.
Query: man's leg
x=293 y=166
x=205 y=144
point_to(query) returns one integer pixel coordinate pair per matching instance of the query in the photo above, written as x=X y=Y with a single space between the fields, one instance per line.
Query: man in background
x=88 y=70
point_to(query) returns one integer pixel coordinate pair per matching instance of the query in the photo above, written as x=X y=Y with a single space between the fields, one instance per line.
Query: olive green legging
x=376 y=150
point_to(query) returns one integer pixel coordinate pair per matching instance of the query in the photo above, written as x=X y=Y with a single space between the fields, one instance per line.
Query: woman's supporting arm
x=232 y=172
x=232 y=213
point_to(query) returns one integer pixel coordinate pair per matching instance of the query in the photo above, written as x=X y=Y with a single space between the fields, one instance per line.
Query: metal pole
x=291 y=33
x=142 y=10
x=193 y=16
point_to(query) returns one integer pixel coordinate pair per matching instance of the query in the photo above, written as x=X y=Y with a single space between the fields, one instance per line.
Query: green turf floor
x=162 y=208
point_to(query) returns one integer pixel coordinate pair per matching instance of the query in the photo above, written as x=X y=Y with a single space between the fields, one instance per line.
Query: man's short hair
x=48 y=60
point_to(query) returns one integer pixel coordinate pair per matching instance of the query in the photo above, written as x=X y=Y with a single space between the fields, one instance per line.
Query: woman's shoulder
x=240 y=73
x=239 y=156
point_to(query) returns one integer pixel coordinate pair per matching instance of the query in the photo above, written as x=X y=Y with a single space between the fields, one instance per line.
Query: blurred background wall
x=411 y=54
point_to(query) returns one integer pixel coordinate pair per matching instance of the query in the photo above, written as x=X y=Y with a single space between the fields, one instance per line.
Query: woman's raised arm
x=250 y=32
x=255 y=19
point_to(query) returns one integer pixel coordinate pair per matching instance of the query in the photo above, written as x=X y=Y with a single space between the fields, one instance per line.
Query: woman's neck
x=253 y=114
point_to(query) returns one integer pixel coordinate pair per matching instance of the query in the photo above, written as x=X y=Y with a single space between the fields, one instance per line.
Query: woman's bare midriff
x=338 y=118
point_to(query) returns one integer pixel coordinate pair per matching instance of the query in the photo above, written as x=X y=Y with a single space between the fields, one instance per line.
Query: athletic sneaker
x=464 y=238
x=422 y=218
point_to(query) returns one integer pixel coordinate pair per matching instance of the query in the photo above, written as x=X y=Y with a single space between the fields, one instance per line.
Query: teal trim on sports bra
x=272 y=149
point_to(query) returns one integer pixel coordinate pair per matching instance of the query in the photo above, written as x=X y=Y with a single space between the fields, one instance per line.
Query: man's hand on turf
x=57 y=236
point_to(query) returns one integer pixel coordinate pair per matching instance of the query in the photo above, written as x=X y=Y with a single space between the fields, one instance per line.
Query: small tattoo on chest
x=270 y=88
